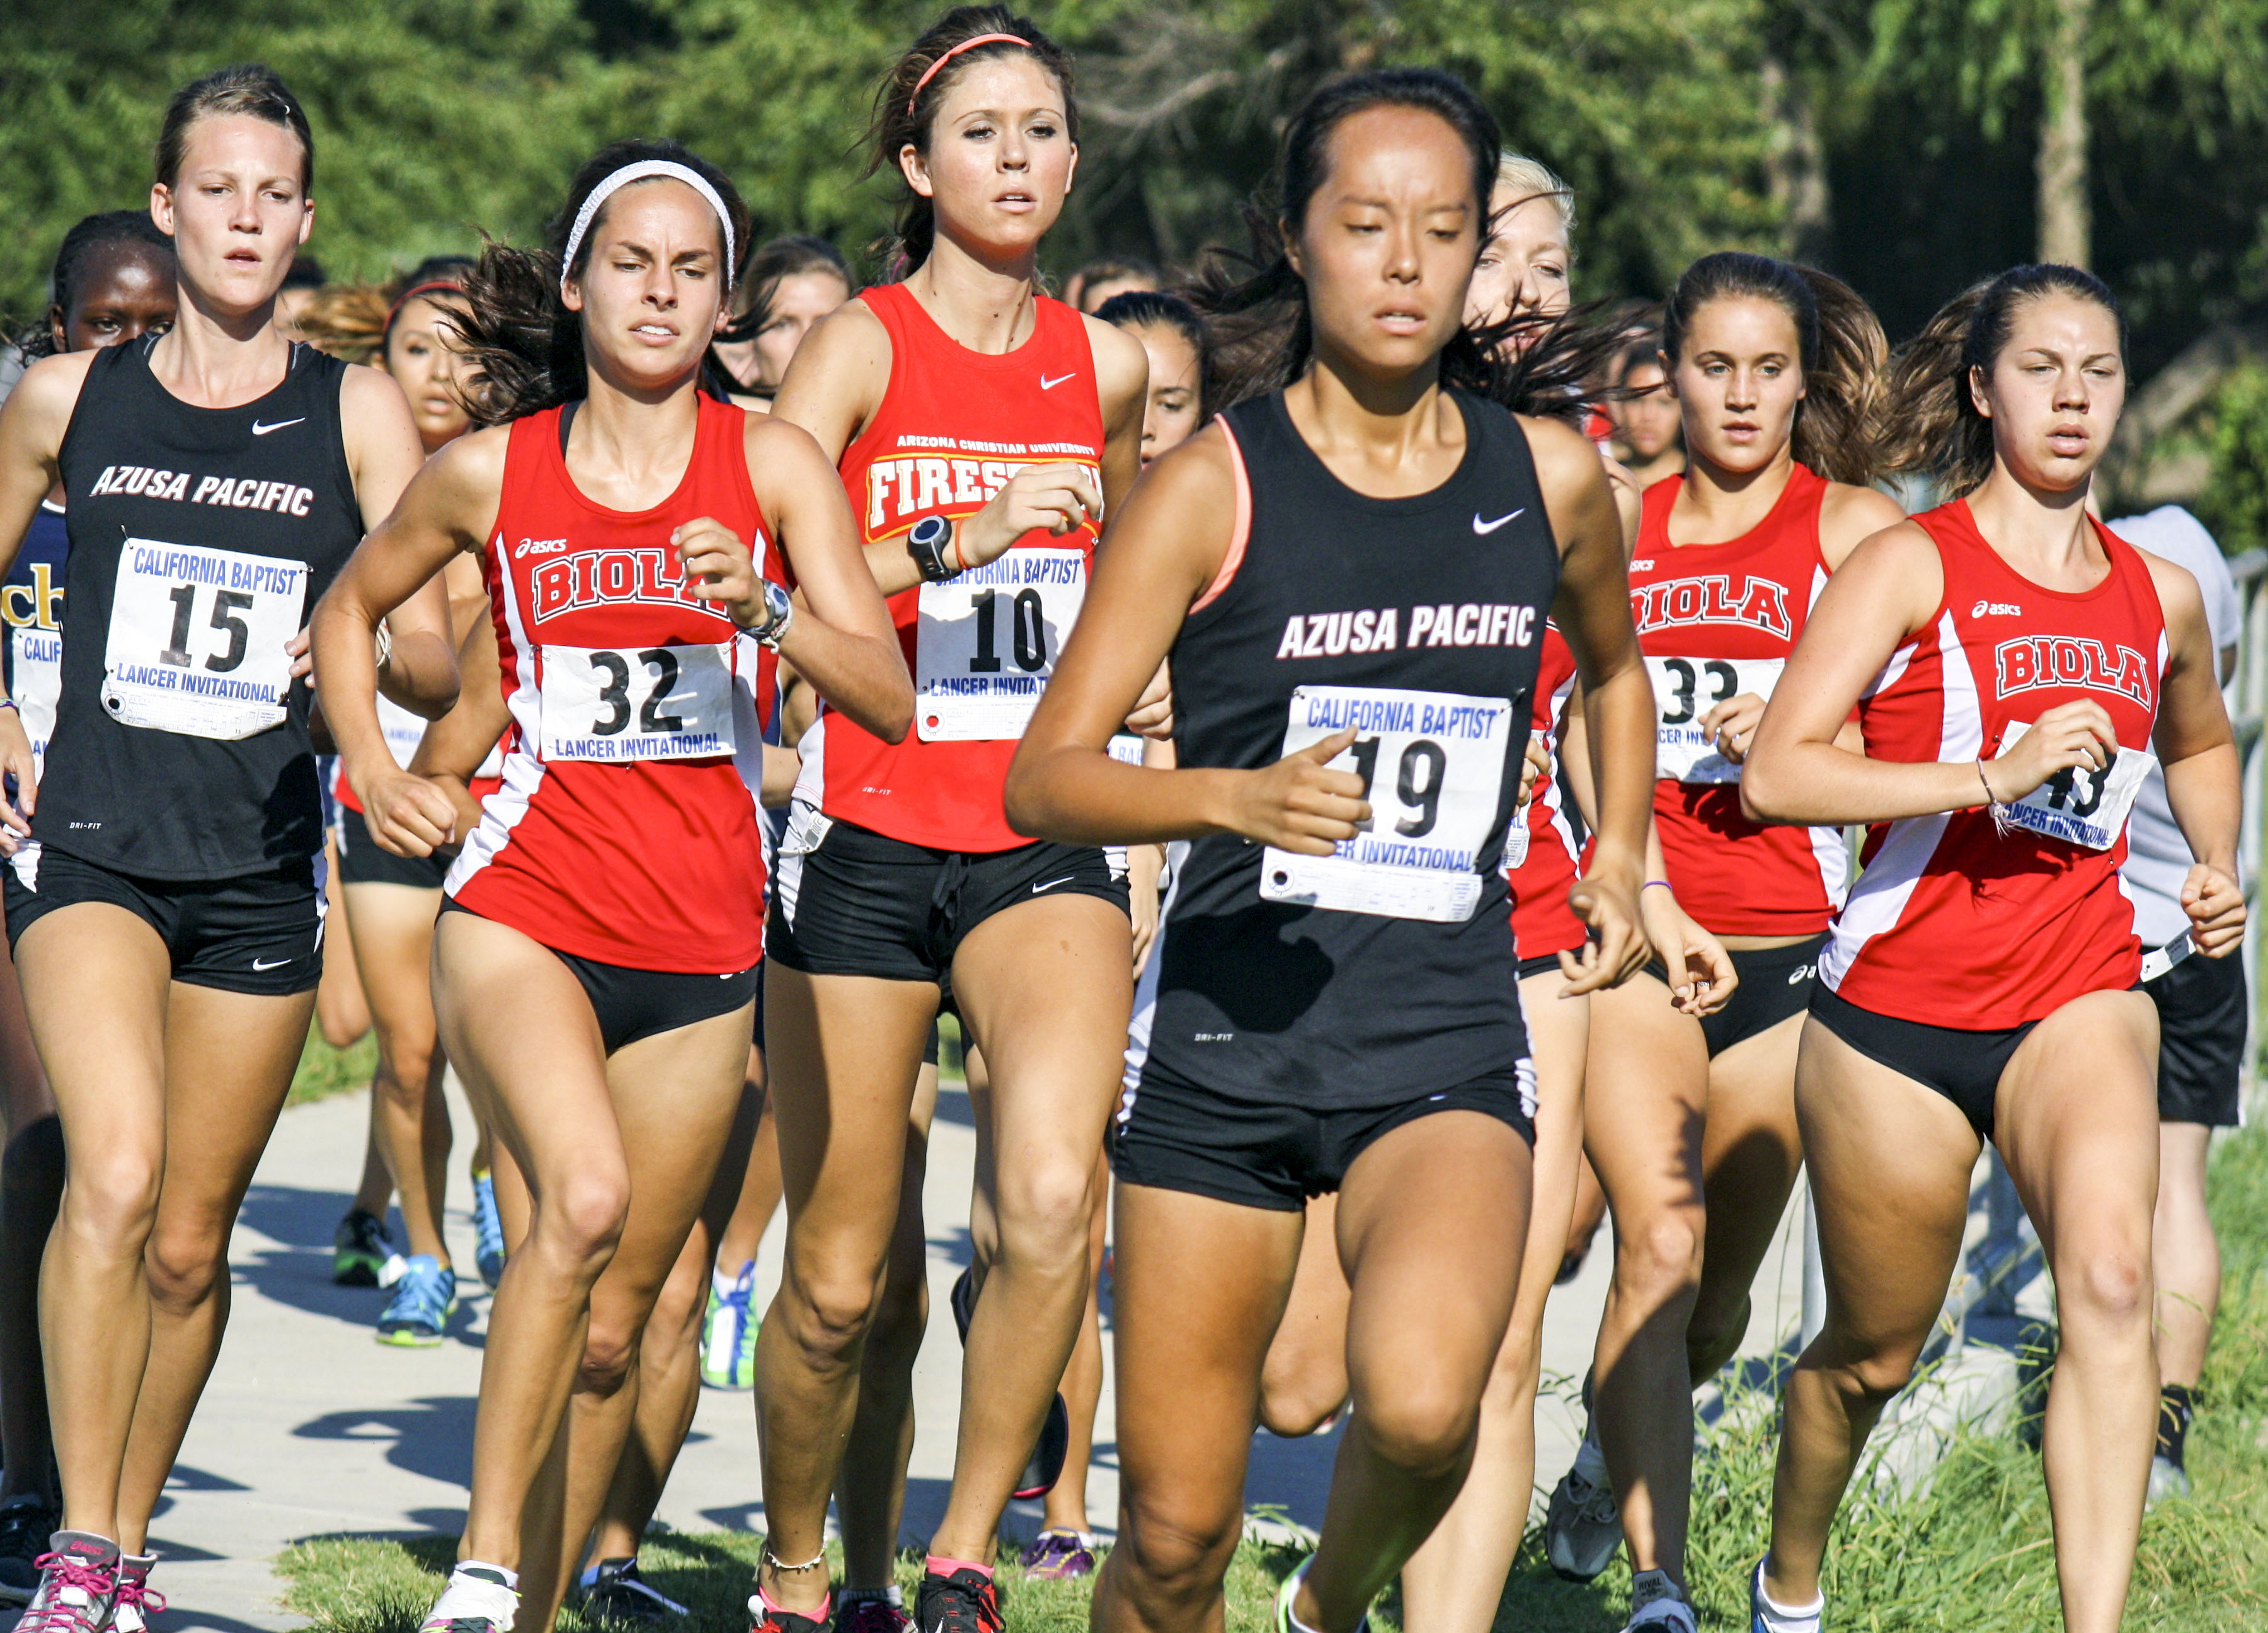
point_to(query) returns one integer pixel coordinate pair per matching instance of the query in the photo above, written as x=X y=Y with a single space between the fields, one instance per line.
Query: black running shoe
x=1046 y=1466
x=25 y=1524
x=614 y=1592
x=964 y=1602
x=768 y=1618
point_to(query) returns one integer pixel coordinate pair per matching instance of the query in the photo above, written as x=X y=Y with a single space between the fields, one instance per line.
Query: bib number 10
x=988 y=640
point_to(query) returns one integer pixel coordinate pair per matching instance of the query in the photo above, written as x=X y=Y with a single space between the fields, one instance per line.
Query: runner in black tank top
x=1350 y=575
x=161 y=897
x=112 y=281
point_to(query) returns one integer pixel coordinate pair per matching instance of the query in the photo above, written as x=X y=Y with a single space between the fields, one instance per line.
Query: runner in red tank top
x=1774 y=368
x=980 y=428
x=1983 y=983
x=605 y=918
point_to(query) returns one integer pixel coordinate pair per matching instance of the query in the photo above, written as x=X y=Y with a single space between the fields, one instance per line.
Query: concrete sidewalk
x=311 y=1428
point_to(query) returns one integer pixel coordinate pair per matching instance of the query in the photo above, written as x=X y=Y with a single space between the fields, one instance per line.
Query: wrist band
x=926 y=544
x=385 y=639
x=1653 y=883
x=10 y=703
x=1990 y=799
x=786 y=1570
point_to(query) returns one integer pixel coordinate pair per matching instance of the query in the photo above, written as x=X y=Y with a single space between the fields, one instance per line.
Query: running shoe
x=867 y=1614
x=1047 y=1461
x=1667 y=1614
x=25 y=1524
x=613 y=1590
x=1764 y=1617
x=728 y=1333
x=1057 y=1555
x=487 y=1229
x=136 y=1603
x=766 y=1617
x=78 y=1582
x=2167 y=1479
x=1285 y=1621
x=362 y=1253
x=423 y=1303
x=478 y=1600
x=964 y=1602
x=1582 y=1527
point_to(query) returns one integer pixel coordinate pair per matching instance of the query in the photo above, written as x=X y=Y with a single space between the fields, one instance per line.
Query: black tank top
x=200 y=539
x=1387 y=972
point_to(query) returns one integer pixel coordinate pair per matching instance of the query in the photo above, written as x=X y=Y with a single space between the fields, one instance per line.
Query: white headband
x=644 y=169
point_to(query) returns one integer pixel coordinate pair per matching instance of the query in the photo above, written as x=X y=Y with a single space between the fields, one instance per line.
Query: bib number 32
x=662 y=703
x=1433 y=764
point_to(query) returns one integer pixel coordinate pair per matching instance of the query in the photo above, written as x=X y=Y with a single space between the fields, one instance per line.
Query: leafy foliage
x=2235 y=504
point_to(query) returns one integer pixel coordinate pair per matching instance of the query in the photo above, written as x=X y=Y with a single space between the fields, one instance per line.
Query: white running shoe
x=480 y=1599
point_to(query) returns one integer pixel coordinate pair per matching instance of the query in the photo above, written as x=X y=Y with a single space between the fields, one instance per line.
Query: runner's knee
x=111 y=1197
x=2109 y=1283
x=1178 y=1546
x=185 y=1261
x=582 y=1214
x=1045 y=1207
x=1660 y=1253
x=1422 y=1421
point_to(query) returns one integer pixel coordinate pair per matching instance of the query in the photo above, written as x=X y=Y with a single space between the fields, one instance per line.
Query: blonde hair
x=1531 y=179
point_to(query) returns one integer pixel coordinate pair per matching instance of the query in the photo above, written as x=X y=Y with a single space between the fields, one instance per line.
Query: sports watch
x=779 y=612
x=927 y=544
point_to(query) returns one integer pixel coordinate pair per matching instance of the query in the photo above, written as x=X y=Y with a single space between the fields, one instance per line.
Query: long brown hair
x=1840 y=348
x=1935 y=426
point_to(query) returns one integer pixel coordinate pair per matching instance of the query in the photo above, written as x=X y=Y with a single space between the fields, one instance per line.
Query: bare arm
x=1593 y=613
x=1167 y=545
x=32 y=426
x=2197 y=751
x=454 y=746
x=383 y=454
x=843 y=642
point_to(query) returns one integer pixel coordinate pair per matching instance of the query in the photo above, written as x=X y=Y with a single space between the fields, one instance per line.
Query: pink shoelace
x=134 y=1590
x=57 y=1615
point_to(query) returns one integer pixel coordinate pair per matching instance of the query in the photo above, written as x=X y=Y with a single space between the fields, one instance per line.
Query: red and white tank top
x=626 y=829
x=1543 y=870
x=404 y=731
x=1985 y=920
x=1715 y=621
x=954 y=427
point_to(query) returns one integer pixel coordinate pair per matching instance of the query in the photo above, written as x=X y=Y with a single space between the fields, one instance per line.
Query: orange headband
x=412 y=293
x=970 y=44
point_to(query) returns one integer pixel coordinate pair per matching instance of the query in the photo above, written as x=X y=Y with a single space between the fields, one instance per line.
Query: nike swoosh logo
x=258 y=429
x=269 y=963
x=1049 y=384
x=1052 y=883
x=1485 y=528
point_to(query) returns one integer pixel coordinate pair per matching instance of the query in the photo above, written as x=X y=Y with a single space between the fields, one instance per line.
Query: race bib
x=37 y=656
x=1685 y=690
x=662 y=703
x=1516 y=837
x=197 y=637
x=1126 y=748
x=987 y=641
x=2080 y=805
x=403 y=730
x=1433 y=764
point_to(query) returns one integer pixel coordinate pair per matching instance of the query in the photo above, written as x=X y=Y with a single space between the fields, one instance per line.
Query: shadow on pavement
x=432 y=1436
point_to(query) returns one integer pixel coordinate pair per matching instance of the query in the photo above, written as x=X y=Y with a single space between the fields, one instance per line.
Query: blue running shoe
x=487 y=1229
x=424 y=1300
x=728 y=1333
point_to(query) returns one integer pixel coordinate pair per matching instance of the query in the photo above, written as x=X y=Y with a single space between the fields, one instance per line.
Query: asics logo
x=1485 y=528
x=538 y=547
x=1800 y=974
x=1049 y=384
x=1995 y=609
x=258 y=429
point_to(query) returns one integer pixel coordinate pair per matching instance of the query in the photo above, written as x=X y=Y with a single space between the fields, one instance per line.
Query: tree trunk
x=2065 y=229
x=1795 y=166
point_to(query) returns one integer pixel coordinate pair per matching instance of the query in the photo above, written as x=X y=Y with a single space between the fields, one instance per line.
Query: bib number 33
x=197 y=639
x=660 y=703
x=987 y=641
x=1433 y=765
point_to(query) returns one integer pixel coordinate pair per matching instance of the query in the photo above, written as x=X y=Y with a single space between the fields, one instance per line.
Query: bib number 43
x=2080 y=805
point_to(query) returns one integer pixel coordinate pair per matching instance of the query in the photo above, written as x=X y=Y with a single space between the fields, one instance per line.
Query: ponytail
x=1840 y=348
x=1936 y=428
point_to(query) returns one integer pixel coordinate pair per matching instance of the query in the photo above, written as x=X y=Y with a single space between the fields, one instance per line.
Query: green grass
x=1972 y=1554
x=325 y=1071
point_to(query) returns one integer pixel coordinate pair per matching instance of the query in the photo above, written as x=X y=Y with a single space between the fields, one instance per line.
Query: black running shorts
x=2200 y=1040
x=364 y=861
x=1776 y=982
x=1267 y=1155
x=1963 y=1066
x=860 y=904
x=260 y=933
x=634 y=1003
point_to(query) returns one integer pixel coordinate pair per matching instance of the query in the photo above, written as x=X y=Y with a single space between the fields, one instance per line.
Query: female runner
x=980 y=427
x=791 y=283
x=113 y=282
x=1775 y=371
x=1335 y=1001
x=391 y=900
x=595 y=966
x=162 y=870
x=2013 y=664
x=1646 y=415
